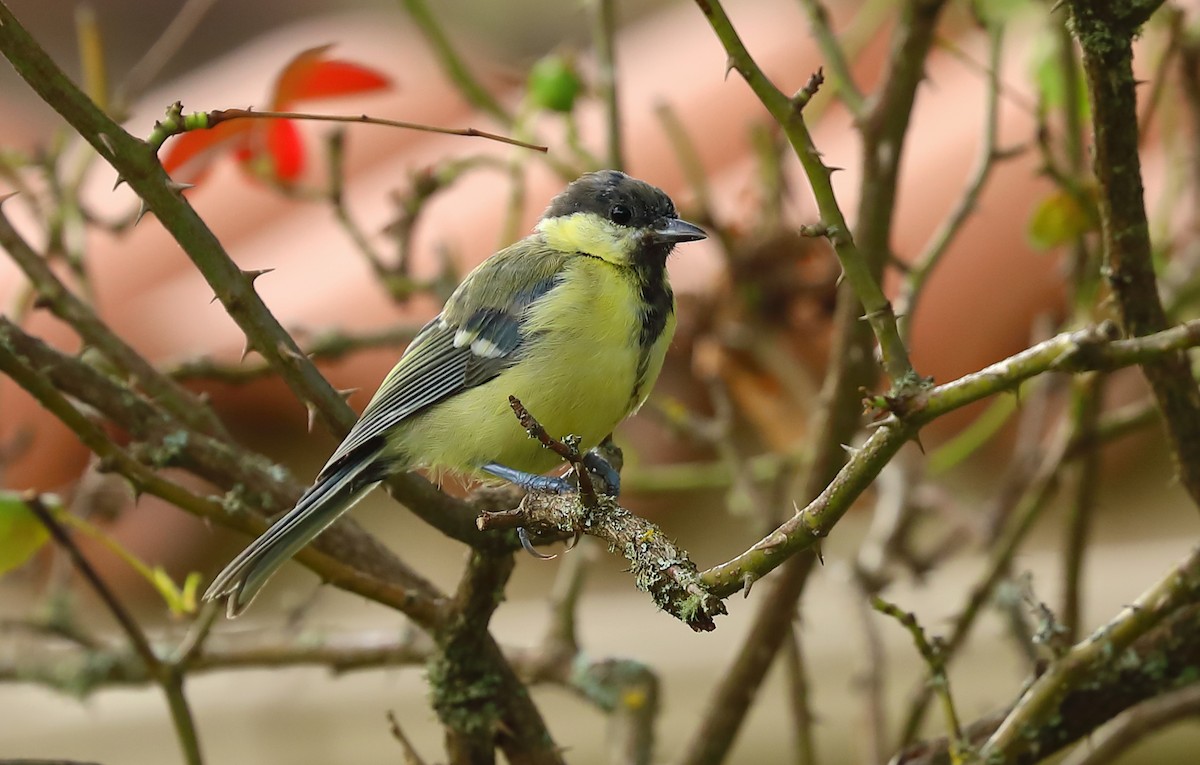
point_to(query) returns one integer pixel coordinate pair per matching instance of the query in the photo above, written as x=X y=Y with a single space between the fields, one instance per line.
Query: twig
x=453 y=64
x=858 y=271
x=336 y=155
x=989 y=153
x=411 y=757
x=90 y=44
x=170 y=42
x=1087 y=400
x=1120 y=682
x=1038 y=493
x=835 y=57
x=935 y=659
x=53 y=294
x=327 y=345
x=800 y=697
x=469 y=673
x=567 y=449
x=165 y=674
x=363 y=565
x=604 y=41
x=1086 y=660
x=176 y=122
x=1087 y=349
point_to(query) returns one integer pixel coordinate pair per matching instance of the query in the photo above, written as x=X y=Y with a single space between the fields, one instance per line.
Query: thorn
x=312 y=414
x=346 y=393
x=917 y=440
x=118 y=183
x=106 y=140
x=212 y=300
x=141 y=213
x=289 y=352
x=834 y=169
x=820 y=555
x=246 y=349
x=253 y=274
x=748 y=580
x=179 y=187
x=729 y=66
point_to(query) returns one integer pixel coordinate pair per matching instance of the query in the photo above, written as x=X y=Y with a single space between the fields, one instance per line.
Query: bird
x=574 y=320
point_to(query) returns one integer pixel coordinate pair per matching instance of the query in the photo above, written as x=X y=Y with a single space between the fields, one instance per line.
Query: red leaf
x=310 y=75
x=191 y=154
x=286 y=150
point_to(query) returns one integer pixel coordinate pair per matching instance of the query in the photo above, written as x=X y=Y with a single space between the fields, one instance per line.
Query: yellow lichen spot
x=634 y=699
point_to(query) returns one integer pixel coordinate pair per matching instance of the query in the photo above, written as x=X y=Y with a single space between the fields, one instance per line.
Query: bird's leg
x=596 y=465
x=529 y=481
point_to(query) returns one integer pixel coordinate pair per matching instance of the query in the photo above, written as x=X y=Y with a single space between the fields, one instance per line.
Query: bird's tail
x=321 y=505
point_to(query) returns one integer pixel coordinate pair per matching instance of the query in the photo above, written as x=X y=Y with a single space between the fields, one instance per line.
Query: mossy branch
x=1105 y=32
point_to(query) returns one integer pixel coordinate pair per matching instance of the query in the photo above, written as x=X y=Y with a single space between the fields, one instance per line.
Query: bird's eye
x=620 y=215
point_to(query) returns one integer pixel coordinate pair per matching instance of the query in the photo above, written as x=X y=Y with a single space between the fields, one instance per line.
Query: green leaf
x=21 y=533
x=554 y=84
x=1059 y=219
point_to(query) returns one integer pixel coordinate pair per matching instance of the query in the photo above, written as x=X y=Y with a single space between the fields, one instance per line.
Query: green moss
x=463 y=691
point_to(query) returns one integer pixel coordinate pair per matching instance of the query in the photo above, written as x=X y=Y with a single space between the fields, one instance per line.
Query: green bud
x=554 y=83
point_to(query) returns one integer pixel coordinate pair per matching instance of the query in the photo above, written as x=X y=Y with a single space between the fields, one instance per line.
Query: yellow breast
x=577 y=376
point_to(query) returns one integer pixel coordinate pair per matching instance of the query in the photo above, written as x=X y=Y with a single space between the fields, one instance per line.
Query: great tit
x=574 y=320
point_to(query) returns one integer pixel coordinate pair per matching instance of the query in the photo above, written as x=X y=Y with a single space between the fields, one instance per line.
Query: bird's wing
x=472 y=341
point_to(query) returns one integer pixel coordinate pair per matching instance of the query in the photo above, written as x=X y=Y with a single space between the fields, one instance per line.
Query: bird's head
x=609 y=215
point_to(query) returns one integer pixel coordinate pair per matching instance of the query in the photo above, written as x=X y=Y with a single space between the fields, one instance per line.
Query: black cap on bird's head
x=628 y=202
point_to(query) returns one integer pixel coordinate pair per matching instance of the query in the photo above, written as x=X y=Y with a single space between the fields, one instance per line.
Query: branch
x=469 y=673
x=989 y=154
x=53 y=294
x=361 y=563
x=1156 y=663
x=787 y=112
x=324 y=346
x=1041 y=706
x=1105 y=33
x=1089 y=349
x=165 y=674
x=659 y=566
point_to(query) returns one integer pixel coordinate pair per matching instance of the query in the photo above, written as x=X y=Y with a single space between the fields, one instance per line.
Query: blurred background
x=996 y=291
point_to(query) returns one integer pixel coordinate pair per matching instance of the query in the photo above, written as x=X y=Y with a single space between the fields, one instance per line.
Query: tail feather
x=320 y=506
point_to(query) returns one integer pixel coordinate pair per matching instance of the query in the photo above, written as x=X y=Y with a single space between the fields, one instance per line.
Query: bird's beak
x=675 y=231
